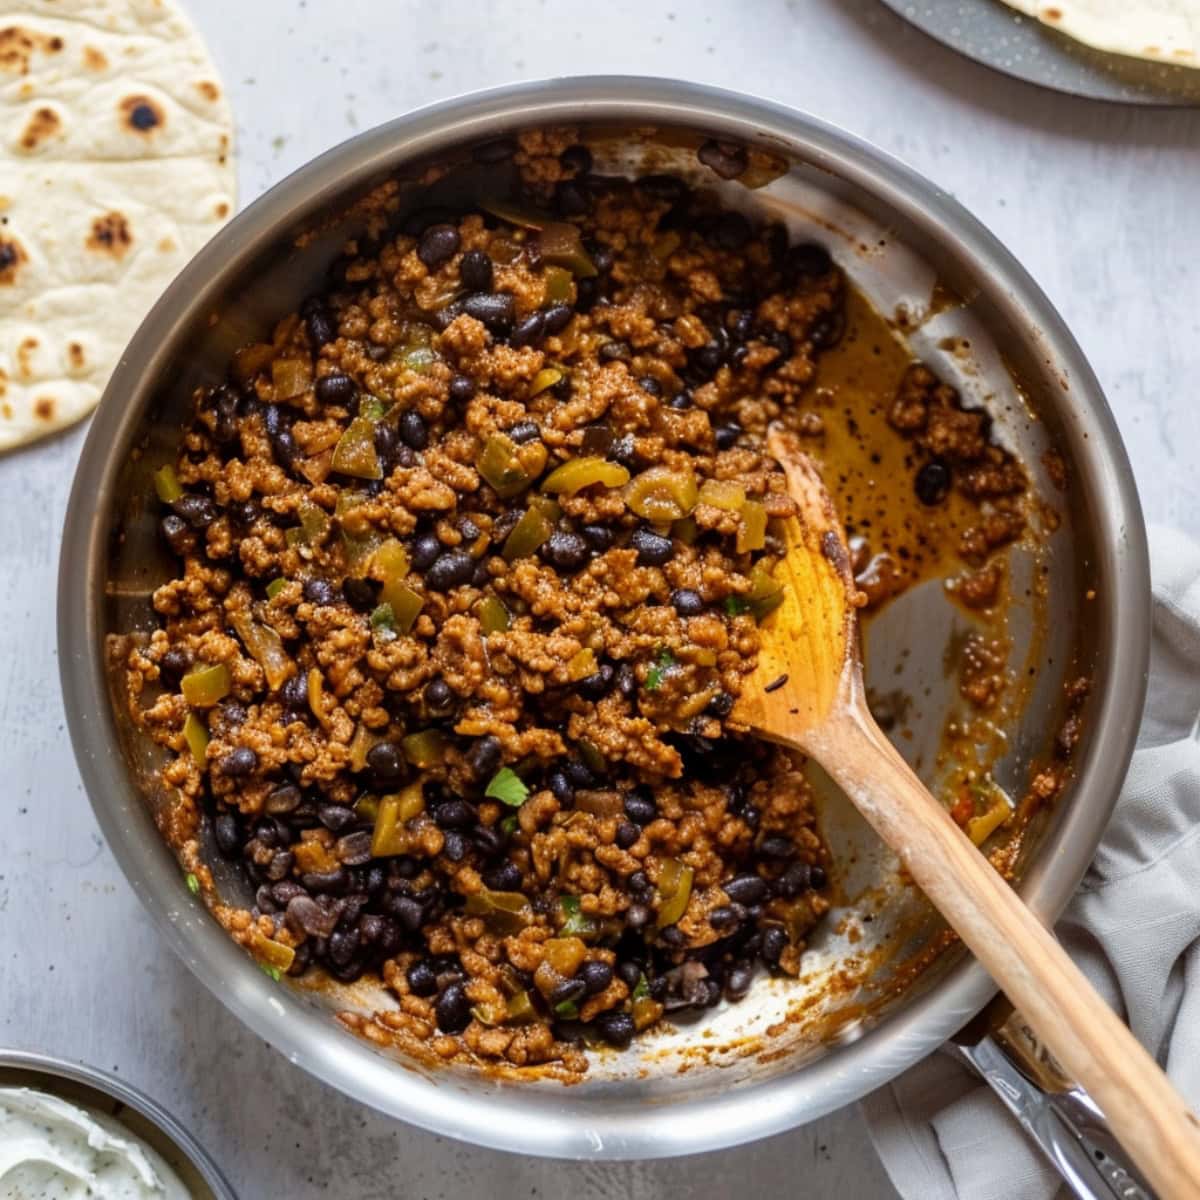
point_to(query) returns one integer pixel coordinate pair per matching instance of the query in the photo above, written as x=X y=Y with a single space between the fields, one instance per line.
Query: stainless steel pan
x=741 y=1083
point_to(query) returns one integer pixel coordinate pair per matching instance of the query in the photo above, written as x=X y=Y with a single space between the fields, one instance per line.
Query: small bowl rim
x=111 y=1086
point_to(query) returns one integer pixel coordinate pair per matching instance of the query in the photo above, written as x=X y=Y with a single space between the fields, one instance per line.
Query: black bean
x=817 y=878
x=333 y=882
x=727 y=159
x=462 y=388
x=495 y=151
x=336 y=817
x=320 y=326
x=496 y=310
x=738 y=981
x=560 y=786
x=387 y=443
x=283 y=799
x=653 y=550
x=681 y=400
x=174 y=665
x=637 y=916
x=529 y=330
x=556 y=318
x=627 y=833
x=579 y=773
x=598 y=537
x=576 y=158
x=343 y=945
x=624 y=451
x=232 y=713
x=336 y=388
x=240 y=761
x=568 y=991
x=650 y=385
x=453 y=1009
x=504 y=878
x=732 y=231
x=640 y=808
x=639 y=886
x=454 y=845
x=723 y=917
x=720 y=706
x=793 y=881
x=439 y=699
x=617 y=1028
x=827 y=330
x=294 y=693
x=774 y=942
x=663 y=187
x=227 y=834
x=708 y=358
x=484 y=756
x=596 y=976
x=745 y=889
x=739 y=323
x=571 y=198
x=454 y=814
x=424 y=551
x=413 y=430
x=750 y=815
x=386 y=760
x=285 y=449
x=376 y=878
x=198 y=511
x=777 y=846
x=445 y=316
x=615 y=352
x=320 y=592
x=672 y=936
x=359 y=593
x=305 y=915
x=627 y=683
x=596 y=686
x=245 y=514
x=781 y=342
x=475 y=271
x=587 y=292
x=285 y=891
x=354 y=850
x=727 y=435
x=806 y=261
x=437 y=244
x=565 y=550
x=421 y=977
x=687 y=603
x=451 y=569
x=407 y=911
x=932 y=483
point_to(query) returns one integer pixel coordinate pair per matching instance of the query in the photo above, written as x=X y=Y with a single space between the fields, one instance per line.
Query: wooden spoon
x=807 y=693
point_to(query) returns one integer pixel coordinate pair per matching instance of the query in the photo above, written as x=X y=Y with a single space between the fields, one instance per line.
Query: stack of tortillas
x=1162 y=30
x=116 y=167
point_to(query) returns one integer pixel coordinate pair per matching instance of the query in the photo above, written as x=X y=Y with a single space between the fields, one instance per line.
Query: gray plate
x=1016 y=45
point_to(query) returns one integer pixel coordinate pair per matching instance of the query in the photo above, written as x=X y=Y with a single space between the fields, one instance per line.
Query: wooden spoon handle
x=1149 y=1117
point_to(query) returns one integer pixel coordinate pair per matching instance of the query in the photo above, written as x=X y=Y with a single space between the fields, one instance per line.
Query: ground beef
x=470 y=553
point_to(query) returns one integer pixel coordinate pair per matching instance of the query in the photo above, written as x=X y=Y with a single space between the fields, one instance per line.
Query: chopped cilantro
x=509 y=825
x=372 y=408
x=275 y=587
x=267 y=969
x=383 y=618
x=654 y=676
x=735 y=605
x=506 y=786
x=642 y=990
x=193 y=883
x=575 y=922
x=567 y=1009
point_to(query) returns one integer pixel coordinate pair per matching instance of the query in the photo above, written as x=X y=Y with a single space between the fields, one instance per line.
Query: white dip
x=53 y=1150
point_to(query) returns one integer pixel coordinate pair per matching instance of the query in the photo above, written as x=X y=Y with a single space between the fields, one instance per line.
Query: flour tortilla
x=116 y=167
x=1161 y=30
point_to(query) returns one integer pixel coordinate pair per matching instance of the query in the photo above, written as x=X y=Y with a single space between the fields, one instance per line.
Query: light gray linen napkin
x=1133 y=927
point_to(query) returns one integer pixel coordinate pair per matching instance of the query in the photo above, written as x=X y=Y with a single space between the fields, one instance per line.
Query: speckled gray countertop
x=1099 y=202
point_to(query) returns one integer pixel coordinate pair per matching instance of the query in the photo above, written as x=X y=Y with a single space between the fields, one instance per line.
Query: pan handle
x=1061 y=1118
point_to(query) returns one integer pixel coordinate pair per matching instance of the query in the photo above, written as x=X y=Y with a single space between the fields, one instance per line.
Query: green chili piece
x=674 y=889
x=502 y=912
x=527 y=534
x=275 y=587
x=766 y=592
x=203 y=687
x=355 y=452
x=167 y=485
x=510 y=468
x=578 y=473
x=195 y=732
x=426 y=748
x=662 y=495
x=575 y=922
x=558 y=284
x=752 y=534
x=265 y=646
x=493 y=616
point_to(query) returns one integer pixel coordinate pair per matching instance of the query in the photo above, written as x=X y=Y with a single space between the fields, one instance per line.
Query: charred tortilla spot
x=222 y=209
x=94 y=59
x=142 y=114
x=12 y=256
x=76 y=356
x=7 y=410
x=17 y=46
x=110 y=235
x=43 y=407
x=208 y=90
x=24 y=352
x=44 y=124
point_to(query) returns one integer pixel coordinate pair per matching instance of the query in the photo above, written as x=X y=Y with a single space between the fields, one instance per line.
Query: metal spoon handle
x=1058 y=1115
